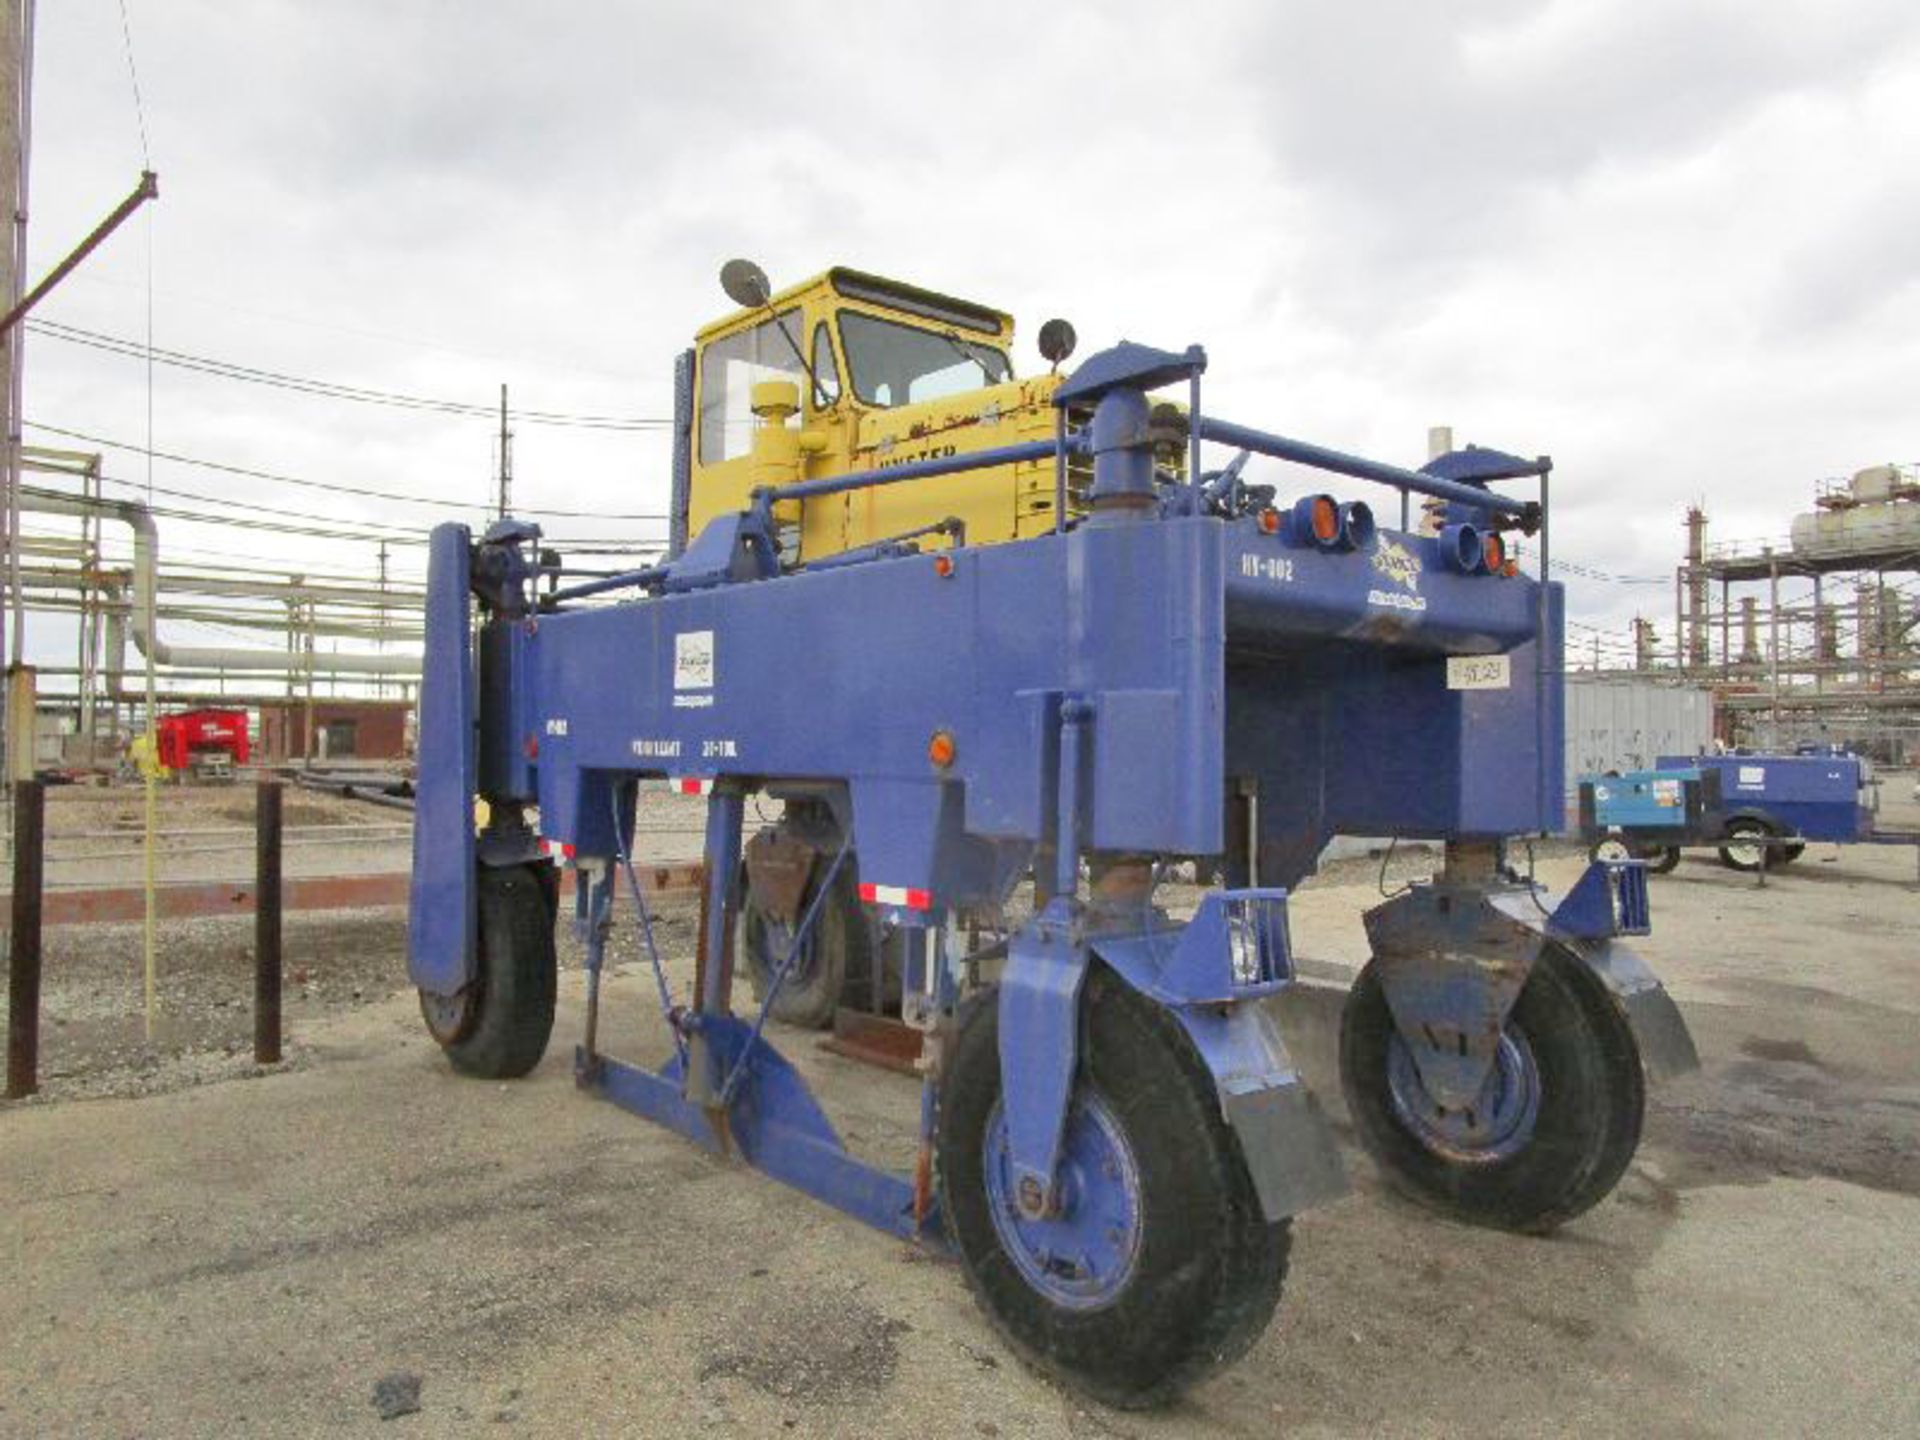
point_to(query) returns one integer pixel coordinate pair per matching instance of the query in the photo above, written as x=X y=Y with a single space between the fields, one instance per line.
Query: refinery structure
x=295 y=637
x=1810 y=637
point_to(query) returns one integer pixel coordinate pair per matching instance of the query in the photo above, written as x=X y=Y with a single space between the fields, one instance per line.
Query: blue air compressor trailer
x=1773 y=806
x=1113 y=1138
x=1649 y=814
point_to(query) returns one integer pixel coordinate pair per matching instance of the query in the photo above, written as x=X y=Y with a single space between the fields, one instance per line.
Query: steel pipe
x=912 y=470
x=136 y=517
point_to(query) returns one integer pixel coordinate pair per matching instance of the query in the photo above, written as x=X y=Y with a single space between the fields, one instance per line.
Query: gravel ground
x=361 y=1233
x=94 y=1038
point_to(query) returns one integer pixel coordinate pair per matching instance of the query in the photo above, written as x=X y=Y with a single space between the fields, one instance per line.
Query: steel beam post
x=266 y=923
x=726 y=807
x=23 y=971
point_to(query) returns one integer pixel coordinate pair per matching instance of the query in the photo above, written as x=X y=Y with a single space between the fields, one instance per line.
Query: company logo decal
x=1397 y=563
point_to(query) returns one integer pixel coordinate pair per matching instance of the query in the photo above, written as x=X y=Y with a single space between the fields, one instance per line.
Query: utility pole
x=16 y=111
x=380 y=684
x=506 y=458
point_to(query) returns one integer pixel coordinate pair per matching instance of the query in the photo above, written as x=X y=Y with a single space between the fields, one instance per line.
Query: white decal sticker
x=719 y=750
x=1394 y=600
x=656 y=749
x=1479 y=672
x=693 y=660
x=1753 y=776
x=1276 y=568
x=557 y=726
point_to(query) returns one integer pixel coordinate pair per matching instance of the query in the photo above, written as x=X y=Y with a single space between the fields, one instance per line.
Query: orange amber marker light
x=941 y=749
x=1510 y=569
x=1495 y=549
x=943 y=566
x=1326 y=519
x=1270 y=521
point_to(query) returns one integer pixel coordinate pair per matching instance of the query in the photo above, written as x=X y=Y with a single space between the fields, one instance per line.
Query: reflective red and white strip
x=688 y=785
x=897 y=895
x=557 y=851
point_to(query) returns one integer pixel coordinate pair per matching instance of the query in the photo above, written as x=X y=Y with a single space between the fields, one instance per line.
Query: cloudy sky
x=1672 y=244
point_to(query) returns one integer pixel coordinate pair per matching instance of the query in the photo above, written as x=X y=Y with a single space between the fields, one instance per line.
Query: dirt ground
x=275 y=1254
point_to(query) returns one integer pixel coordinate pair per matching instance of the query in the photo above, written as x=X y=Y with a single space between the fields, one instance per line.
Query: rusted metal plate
x=118 y=905
x=778 y=866
x=874 y=1040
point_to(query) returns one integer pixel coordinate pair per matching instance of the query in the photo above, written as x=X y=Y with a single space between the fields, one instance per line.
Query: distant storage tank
x=1876 y=512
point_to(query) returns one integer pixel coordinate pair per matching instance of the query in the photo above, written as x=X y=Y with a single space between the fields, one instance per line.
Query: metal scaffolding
x=1810 y=637
x=123 y=589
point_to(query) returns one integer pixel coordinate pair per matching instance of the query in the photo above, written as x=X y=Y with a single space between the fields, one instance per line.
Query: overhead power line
x=372 y=526
x=133 y=75
x=1588 y=572
x=332 y=487
x=328 y=389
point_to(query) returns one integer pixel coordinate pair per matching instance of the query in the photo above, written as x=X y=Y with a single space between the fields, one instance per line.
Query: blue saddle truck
x=1112 y=1138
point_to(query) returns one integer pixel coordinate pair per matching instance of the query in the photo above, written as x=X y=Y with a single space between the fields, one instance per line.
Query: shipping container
x=1628 y=724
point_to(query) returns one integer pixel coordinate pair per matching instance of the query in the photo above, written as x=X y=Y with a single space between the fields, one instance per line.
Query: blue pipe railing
x=912 y=470
x=651 y=575
x=1279 y=447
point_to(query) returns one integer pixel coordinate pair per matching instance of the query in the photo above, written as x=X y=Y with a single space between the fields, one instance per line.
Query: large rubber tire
x=1206 y=1268
x=837 y=958
x=1590 y=1100
x=498 y=1027
x=1665 y=860
x=1749 y=858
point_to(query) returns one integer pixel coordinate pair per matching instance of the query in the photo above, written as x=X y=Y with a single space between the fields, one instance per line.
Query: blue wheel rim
x=1495 y=1127
x=1081 y=1256
x=775 y=938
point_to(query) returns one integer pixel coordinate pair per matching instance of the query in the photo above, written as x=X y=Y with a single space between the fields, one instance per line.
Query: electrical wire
x=1588 y=572
x=329 y=486
x=133 y=76
x=1393 y=844
x=374 y=526
x=330 y=389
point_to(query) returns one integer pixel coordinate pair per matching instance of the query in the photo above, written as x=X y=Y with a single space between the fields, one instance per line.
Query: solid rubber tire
x=511 y=996
x=843 y=954
x=1665 y=860
x=1592 y=1103
x=1746 y=827
x=1211 y=1266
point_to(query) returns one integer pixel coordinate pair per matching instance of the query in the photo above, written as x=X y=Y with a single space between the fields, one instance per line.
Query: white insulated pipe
x=146 y=544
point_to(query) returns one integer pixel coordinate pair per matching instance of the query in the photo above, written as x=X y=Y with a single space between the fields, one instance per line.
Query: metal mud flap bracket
x=1453 y=959
x=1213 y=974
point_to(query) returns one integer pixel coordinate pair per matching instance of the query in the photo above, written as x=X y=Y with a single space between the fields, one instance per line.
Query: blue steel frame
x=1190 y=647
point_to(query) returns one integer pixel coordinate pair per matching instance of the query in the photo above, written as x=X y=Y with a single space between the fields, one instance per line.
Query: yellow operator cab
x=849 y=372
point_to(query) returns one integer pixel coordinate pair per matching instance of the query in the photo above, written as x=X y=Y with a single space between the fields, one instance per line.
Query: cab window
x=893 y=364
x=729 y=369
x=825 y=369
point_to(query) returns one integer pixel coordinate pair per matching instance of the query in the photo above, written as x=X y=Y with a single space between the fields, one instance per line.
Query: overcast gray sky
x=1672 y=244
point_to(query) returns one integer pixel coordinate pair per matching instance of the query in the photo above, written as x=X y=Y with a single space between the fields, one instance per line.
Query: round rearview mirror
x=745 y=284
x=1056 y=341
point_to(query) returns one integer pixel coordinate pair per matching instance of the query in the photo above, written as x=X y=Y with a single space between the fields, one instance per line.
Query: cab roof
x=861 y=285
